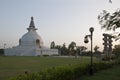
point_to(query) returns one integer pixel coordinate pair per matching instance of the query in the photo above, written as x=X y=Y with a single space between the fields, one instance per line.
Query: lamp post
x=86 y=41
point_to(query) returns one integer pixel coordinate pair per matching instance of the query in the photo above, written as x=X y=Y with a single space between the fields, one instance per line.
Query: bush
x=107 y=58
x=101 y=66
x=70 y=72
x=1 y=51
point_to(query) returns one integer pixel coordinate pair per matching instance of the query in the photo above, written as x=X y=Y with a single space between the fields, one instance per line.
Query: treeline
x=73 y=49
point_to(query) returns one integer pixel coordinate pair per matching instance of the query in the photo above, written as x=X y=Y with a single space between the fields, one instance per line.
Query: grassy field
x=13 y=66
x=109 y=74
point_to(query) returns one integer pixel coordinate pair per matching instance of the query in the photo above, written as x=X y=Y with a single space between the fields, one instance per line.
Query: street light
x=86 y=41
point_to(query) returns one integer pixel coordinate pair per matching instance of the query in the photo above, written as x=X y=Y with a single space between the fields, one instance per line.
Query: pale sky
x=61 y=21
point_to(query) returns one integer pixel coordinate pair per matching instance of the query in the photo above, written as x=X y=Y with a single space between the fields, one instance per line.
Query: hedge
x=70 y=72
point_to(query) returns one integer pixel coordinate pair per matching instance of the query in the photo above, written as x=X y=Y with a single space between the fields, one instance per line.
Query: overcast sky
x=61 y=21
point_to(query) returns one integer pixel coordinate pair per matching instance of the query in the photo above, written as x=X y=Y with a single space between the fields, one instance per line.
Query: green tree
x=96 y=48
x=80 y=49
x=71 y=48
x=52 y=45
x=64 y=50
x=110 y=21
x=116 y=51
x=1 y=51
x=59 y=49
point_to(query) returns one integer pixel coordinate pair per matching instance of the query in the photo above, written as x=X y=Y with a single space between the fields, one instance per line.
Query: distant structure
x=107 y=44
x=31 y=44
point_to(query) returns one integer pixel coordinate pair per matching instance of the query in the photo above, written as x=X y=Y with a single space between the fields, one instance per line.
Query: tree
x=110 y=1
x=97 y=53
x=52 y=45
x=110 y=21
x=71 y=48
x=59 y=49
x=80 y=49
x=116 y=51
x=96 y=48
x=64 y=50
x=1 y=51
x=83 y=48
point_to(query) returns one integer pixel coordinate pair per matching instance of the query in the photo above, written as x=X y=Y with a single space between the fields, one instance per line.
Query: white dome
x=31 y=38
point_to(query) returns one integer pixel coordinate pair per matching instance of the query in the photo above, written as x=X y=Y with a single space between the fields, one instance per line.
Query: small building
x=30 y=44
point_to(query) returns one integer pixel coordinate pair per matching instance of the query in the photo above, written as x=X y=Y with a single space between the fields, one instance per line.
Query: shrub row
x=70 y=72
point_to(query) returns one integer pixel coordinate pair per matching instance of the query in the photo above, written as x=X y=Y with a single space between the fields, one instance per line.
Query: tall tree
x=52 y=45
x=64 y=50
x=80 y=49
x=71 y=48
x=96 y=48
x=59 y=49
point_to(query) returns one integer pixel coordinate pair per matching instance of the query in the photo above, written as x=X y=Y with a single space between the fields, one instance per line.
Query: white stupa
x=31 y=44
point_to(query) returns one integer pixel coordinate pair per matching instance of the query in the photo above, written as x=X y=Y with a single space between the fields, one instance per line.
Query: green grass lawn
x=14 y=66
x=108 y=74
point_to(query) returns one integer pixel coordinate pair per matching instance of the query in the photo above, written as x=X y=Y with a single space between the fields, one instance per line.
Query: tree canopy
x=110 y=1
x=110 y=21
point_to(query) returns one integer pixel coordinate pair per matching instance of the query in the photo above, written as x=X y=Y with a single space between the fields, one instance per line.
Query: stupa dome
x=31 y=37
